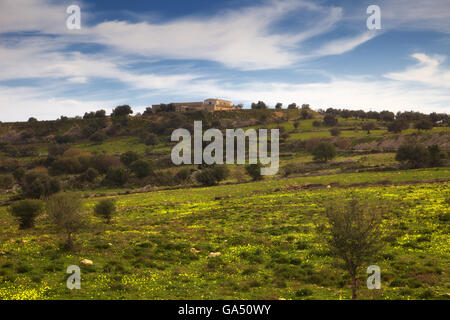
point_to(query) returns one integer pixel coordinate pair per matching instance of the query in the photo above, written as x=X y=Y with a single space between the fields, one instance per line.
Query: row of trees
x=64 y=210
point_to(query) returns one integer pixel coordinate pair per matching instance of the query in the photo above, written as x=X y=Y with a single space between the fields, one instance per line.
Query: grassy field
x=265 y=231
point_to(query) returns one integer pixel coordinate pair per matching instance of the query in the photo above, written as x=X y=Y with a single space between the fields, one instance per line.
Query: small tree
x=37 y=185
x=335 y=132
x=353 y=234
x=435 y=156
x=324 y=152
x=423 y=124
x=212 y=175
x=397 y=126
x=129 y=157
x=105 y=209
x=98 y=137
x=296 y=124
x=122 y=111
x=90 y=175
x=141 y=168
x=6 y=181
x=370 y=125
x=26 y=212
x=254 y=171
x=330 y=120
x=116 y=176
x=151 y=139
x=65 y=211
x=416 y=155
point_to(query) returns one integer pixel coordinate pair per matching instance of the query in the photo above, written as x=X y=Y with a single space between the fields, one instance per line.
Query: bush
x=116 y=176
x=151 y=139
x=26 y=211
x=435 y=156
x=37 y=185
x=19 y=173
x=105 y=209
x=423 y=124
x=129 y=157
x=324 y=152
x=183 y=174
x=397 y=126
x=6 y=181
x=415 y=155
x=212 y=175
x=254 y=171
x=141 y=168
x=90 y=175
x=335 y=132
x=98 y=137
x=329 y=120
x=65 y=211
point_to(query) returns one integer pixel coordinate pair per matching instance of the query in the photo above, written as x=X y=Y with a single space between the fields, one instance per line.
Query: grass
x=269 y=245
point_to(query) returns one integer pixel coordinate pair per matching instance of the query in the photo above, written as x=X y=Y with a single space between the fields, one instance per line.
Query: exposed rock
x=194 y=251
x=214 y=254
x=86 y=262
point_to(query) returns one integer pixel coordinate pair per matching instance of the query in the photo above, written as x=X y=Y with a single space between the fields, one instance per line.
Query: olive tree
x=65 y=211
x=353 y=235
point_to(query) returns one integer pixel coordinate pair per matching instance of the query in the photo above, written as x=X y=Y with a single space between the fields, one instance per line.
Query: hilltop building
x=207 y=105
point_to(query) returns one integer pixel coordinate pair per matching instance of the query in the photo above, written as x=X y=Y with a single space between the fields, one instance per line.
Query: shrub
x=64 y=210
x=129 y=157
x=324 y=152
x=212 y=175
x=90 y=175
x=19 y=173
x=98 y=137
x=329 y=120
x=37 y=185
x=183 y=174
x=397 y=126
x=435 y=156
x=6 y=181
x=116 y=176
x=423 y=124
x=254 y=171
x=26 y=211
x=335 y=132
x=415 y=155
x=151 y=139
x=105 y=209
x=141 y=168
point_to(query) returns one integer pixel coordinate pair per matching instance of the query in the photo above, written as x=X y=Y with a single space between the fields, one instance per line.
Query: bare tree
x=353 y=234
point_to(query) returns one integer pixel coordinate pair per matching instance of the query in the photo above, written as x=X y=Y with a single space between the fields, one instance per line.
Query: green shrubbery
x=26 y=211
x=417 y=156
x=105 y=209
x=324 y=152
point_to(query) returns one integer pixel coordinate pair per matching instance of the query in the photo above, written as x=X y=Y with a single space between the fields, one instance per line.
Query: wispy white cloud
x=428 y=71
x=343 y=45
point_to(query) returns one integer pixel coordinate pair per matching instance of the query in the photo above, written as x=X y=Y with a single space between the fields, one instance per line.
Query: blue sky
x=147 y=52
